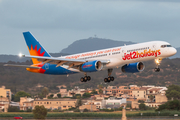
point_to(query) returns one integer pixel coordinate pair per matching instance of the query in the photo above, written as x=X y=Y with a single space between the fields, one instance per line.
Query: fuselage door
x=47 y=66
x=123 y=51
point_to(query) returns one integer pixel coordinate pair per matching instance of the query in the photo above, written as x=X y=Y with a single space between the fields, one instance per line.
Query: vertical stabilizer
x=34 y=47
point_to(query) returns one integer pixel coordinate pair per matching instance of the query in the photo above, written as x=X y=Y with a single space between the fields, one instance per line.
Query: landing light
x=20 y=54
x=157 y=61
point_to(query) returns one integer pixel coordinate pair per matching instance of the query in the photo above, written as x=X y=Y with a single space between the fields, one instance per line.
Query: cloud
x=69 y=20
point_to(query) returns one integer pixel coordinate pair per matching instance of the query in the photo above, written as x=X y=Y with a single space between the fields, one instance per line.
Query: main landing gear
x=157 y=61
x=110 y=78
x=86 y=78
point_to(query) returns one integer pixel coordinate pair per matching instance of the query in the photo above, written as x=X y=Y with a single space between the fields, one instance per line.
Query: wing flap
x=42 y=59
x=24 y=66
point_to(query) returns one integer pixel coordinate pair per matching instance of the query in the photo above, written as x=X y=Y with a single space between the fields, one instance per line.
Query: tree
x=85 y=110
x=173 y=92
x=77 y=96
x=140 y=101
x=40 y=112
x=20 y=94
x=100 y=91
x=94 y=91
x=59 y=95
x=45 y=91
x=151 y=97
x=13 y=109
x=142 y=106
x=51 y=96
x=78 y=103
x=100 y=86
x=170 y=105
x=86 y=95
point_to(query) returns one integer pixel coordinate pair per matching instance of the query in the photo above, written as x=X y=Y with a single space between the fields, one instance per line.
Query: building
x=76 y=90
x=6 y=93
x=26 y=103
x=4 y=104
x=139 y=94
x=113 y=103
x=53 y=104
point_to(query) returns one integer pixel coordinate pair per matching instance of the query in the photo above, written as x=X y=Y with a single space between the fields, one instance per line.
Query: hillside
x=16 y=58
x=19 y=79
x=91 y=44
x=79 y=46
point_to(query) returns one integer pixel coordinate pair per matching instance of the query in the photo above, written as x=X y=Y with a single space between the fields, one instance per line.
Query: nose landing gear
x=157 y=61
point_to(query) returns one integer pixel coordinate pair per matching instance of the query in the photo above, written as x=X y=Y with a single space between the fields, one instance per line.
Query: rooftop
x=56 y=100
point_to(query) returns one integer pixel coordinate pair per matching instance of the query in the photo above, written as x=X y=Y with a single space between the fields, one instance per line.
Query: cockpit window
x=169 y=46
x=163 y=46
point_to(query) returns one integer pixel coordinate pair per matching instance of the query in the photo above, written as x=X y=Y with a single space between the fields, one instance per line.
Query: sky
x=58 y=23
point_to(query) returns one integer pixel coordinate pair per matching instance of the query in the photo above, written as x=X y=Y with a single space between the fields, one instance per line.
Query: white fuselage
x=119 y=56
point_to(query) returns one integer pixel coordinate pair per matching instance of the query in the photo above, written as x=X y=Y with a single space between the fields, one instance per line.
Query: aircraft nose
x=174 y=51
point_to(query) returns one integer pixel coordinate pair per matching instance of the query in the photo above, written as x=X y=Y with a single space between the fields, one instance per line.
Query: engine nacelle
x=133 y=67
x=91 y=66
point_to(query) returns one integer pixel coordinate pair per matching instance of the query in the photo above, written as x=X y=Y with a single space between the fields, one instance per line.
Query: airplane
x=129 y=58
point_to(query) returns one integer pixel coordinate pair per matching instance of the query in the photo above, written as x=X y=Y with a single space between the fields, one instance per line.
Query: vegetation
x=18 y=79
x=141 y=101
x=20 y=94
x=142 y=106
x=94 y=92
x=59 y=95
x=78 y=103
x=86 y=95
x=13 y=109
x=95 y=114
x=40 y=112
x=151 y=97
x=100 y=91
x=173 y=92
x=45 y=91
x=170 y=105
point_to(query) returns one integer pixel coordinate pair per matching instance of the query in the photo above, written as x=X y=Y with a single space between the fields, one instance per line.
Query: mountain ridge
x=79 y=46
x=93 y=43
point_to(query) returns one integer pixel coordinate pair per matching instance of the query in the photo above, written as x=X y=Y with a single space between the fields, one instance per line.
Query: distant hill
x=15 y=58
x=18 y=79
x=91 y=44
x=79 y=46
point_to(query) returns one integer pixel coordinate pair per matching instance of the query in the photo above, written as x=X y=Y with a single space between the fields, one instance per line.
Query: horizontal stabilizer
x=24 y=66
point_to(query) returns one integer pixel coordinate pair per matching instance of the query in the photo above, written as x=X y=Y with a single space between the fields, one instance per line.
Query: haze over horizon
x=57 y=24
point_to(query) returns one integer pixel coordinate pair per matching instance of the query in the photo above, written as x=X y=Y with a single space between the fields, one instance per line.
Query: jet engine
x=133 y=67
x=91 y=66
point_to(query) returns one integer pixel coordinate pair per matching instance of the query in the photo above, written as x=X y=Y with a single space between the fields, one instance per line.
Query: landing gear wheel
x=112 y=78
x=82 y=79
x=88 y=78
x=157 y=69
x=109 y=78
x=105 y=80
x=85 y=78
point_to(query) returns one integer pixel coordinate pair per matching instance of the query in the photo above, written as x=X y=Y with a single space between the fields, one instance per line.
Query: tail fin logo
x=34 y=47
x=35 y=52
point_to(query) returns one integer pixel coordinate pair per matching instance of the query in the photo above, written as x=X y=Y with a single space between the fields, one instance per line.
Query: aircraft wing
x=24 y=66
x=60 y=61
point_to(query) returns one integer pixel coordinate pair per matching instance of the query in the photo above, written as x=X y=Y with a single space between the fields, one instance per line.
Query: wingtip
x=5 y=65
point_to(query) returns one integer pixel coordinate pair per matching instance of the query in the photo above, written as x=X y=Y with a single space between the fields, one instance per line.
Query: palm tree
x=151 y=98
